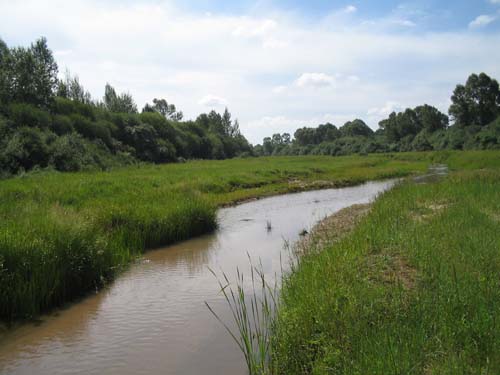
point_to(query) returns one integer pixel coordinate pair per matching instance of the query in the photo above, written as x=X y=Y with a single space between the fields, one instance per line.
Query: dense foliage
x=474 y=112
x=50 y=122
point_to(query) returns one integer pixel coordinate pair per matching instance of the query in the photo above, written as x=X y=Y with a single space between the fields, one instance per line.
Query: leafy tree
x=122 y=103
x=267 y=145
x=71 y=88
x=476 y=103
x=430 y=118
x=326 y=133
x=167 y=110
x=28 y=75
x=355 y=128
x=305 y=136
x=286 y=139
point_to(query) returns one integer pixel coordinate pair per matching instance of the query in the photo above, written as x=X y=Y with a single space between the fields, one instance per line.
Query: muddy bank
x=332 y=228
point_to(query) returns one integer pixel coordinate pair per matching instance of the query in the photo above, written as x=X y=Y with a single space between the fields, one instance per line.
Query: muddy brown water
x=152 y=319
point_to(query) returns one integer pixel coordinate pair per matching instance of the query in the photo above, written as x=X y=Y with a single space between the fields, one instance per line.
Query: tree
x=45 y=72
x=355 y=128
x=226 y=122
x=215 y=123
x=430 y=118
x=401 y=125
x=305 y=136
x=71 y=88
x=235 y=129
x=4 y=73
x=476 y=103
x=167 y=110
x=28 y=75
x=123 y=103
x=267 y=145
x=286 y=138
x=326 y=133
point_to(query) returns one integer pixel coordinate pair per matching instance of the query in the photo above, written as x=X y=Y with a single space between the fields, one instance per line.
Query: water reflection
x=152 y=319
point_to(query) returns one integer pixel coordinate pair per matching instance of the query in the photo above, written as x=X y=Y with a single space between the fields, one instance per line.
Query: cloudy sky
x=276 y=64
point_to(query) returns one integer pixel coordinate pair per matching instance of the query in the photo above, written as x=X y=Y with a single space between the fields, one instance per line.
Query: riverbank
x=65 y=234
x=412 y=289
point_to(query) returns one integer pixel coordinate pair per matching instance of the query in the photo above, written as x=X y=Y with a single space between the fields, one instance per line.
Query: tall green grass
x=64 y=234
x=415 y=289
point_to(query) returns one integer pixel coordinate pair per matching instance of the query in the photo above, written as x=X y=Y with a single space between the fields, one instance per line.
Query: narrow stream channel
x=152 y=319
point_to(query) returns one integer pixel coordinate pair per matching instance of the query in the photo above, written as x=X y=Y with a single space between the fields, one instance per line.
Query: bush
x=22 y=114
x=69 y=153
x=25 y=149
x=62 y=124
x=92 y=130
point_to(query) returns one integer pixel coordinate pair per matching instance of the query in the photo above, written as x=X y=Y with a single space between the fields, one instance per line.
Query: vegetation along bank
x=64 y=234
x=412 y=289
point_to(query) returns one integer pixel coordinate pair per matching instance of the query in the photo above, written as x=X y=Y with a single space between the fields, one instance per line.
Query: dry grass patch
x=425 y=211
x=391 y=269
x=332 y=228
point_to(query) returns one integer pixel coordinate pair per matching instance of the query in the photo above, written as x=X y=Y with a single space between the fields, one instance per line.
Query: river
x=152 y=319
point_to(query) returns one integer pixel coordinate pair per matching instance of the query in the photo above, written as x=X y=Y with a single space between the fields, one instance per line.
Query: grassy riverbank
x=64 y=234
x=414 y=289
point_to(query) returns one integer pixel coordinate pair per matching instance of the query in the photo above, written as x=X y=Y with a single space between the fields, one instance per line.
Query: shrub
x=25 y=149
x=62 y=124
x=22 y=114
x=69 y=153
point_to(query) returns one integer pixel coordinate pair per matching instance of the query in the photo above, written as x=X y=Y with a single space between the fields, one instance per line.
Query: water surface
x=152 y=319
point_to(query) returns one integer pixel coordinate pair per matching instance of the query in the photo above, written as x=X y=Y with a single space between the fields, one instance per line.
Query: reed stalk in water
x=253 y=314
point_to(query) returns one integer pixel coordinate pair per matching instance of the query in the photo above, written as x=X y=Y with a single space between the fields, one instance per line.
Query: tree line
x=46 y=121
x=473 y=123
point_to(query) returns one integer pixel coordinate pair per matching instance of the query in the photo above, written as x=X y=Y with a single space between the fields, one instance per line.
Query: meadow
x=65 y=234
x=413 y=289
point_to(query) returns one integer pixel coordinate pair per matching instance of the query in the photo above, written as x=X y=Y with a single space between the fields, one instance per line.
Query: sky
x=278 y=65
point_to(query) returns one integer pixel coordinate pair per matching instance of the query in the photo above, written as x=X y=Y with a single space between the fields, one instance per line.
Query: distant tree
x=267 y=145
x=71 y=88
x=167 y=110
x=401 y=125
x=215 y=123
x=4 y=73
x=326 y=133
x=355 y=128
x=226 y=122
x=286 y=138
x=476 y=103
x=235 y=129
x=412 y=121
x=431 y=118
x=277 y=140
x=123 y=103
x=28 y=75
x=305 y=136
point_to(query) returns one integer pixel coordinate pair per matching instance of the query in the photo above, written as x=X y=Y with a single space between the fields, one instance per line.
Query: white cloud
x=315 y=80
x=249 y=28
x=386 y=109
x=350 y=9
x=481 y=21
x=403 y=22
x=280 y=89
x=495 y=2
x=213 y=101
x=254 y=63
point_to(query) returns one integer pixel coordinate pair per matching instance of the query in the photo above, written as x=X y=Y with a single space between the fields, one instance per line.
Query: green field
x=414 y=289
x=64 y=234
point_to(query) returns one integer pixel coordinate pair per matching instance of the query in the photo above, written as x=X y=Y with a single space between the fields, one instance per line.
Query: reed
x=253 y=314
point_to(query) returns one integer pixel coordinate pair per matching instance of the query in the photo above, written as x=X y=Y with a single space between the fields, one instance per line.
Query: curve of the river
x=152 y=319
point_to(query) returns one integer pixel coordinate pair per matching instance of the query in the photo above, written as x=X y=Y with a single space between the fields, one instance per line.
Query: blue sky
x=278 y=65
